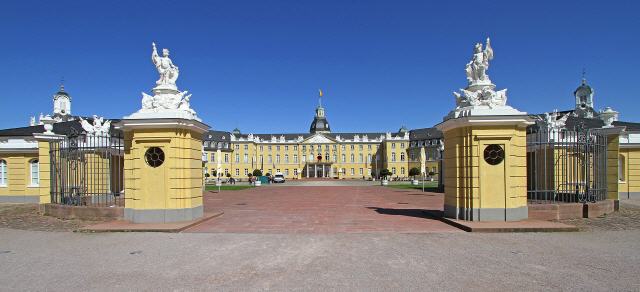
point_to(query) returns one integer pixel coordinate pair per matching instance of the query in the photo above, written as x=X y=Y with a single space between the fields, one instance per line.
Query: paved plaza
x=324 y=207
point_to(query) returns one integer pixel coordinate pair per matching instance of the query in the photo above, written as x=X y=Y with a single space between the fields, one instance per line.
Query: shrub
x=384 y=173
x=414 y=171
x=257 y=172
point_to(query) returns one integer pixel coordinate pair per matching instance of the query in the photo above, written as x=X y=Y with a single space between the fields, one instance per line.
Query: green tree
x=257 y=172
x=413 y=172
x=384 y=173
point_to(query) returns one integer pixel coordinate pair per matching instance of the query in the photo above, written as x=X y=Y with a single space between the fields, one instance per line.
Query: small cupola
x=61 y=103
x=320 y=123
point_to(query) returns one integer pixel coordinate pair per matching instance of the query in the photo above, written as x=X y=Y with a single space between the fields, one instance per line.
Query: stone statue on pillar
x=477 y=68
x=480 y=96
x=167 y=70
x=167 y=101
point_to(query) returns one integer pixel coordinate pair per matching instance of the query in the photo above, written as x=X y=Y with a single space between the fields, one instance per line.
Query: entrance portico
x=317 y=170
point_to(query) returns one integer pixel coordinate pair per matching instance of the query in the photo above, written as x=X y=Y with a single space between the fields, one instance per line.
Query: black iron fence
x=87 y=170
x=566 y=165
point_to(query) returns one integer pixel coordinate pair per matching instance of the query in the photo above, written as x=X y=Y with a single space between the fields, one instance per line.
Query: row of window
x=225 y=145
x=34 y=168
x=219 y=145
x=342 y=170
x=425 y=143
x=305 y=158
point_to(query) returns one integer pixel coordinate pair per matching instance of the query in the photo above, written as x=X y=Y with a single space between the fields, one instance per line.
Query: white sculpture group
x=552 y=121
x=98 y=128
x=480 y=96
x=167 y=101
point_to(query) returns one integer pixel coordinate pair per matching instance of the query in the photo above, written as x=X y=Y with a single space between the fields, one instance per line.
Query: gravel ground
x=27 y=217
x=578 y=261
x=628 y=218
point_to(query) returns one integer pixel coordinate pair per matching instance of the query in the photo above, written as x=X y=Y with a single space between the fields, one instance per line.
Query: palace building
x=320 y=153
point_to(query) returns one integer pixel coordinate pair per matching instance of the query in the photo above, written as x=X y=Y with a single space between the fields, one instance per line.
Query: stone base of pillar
x=486 y=214
x=163 y=215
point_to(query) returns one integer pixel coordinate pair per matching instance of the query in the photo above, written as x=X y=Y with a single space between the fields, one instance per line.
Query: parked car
x=278 y=178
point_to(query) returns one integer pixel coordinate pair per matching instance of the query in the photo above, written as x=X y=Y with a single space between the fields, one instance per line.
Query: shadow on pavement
x=419 y=213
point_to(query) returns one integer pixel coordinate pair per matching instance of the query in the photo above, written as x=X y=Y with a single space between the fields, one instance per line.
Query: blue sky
x=257 y=65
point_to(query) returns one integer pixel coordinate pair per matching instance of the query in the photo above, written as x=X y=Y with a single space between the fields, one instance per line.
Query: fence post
x=613 y=150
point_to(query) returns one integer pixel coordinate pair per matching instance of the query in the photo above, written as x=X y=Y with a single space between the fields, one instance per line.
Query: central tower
x=320 y=123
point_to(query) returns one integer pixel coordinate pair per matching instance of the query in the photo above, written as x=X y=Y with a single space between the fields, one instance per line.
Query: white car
x=278 y=178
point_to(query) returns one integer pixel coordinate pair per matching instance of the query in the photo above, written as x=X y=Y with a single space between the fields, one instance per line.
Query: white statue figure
x=168 y=71
x=477 y=68
x=184 y=103
x=32 y=121
x=552 y=121
x=98 y=128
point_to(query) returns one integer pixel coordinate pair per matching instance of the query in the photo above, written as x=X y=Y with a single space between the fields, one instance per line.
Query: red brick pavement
x=325 y=209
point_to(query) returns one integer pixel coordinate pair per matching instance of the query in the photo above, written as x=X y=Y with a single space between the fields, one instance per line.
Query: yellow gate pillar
x=163 y=169
x=163 y=178
x=485 y=177
x=44 y=158
x=485 y=167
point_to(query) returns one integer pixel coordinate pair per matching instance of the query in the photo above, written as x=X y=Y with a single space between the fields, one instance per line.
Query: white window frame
x=3 y=173
x=35 y=180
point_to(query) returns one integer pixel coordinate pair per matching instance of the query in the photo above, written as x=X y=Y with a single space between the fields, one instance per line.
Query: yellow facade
x=20 y=185
x=171 y=191
x=344 y=160
x=629 y=173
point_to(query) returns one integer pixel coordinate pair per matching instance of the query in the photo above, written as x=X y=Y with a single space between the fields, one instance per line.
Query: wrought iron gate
x=566 y=165
x=87 y=170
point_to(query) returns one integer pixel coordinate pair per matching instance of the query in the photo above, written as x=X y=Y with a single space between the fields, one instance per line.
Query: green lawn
x=228 y=187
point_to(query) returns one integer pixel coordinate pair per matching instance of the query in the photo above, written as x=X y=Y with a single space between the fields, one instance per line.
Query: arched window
x=3 y=173
x=34 y=166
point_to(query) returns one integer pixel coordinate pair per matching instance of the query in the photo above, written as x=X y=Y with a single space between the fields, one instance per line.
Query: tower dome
x=320 y=123
x=584 y=100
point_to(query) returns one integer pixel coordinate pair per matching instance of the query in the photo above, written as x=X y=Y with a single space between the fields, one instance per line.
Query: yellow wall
x=472 y=183
x=630 y=179
x=19 y=177
x=177 y=183
x=613 y=149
